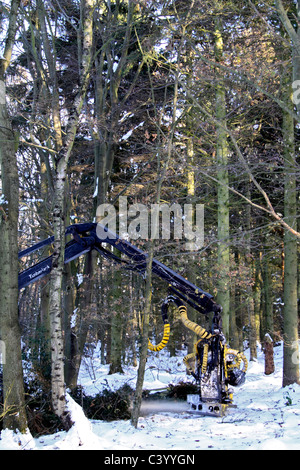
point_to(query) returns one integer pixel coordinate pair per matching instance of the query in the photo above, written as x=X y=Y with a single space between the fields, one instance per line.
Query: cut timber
x=269 y=355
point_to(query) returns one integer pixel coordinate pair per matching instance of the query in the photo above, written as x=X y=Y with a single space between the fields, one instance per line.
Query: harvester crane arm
x=216 y=365
x=89 y=236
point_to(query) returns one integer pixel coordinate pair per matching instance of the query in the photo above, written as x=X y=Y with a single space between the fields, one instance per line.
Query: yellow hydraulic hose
x=204 y=359
x=164 y=340
x=238 y=356
x=186 y=360
x=201 y=332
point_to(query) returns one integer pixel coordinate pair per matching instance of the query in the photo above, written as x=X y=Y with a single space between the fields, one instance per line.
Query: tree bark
x=290 y=336
x=249 y=288
x=269 y=355
x=13 y=385
x=222 y=150
x=267 y=297
x=116 y=322
x=59 y=218
x=144 y=342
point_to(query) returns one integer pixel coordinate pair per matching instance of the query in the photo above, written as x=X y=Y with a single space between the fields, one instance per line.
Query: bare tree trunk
x=14 y=401
x=223 y=296
x=80 y=332
x=291 y=349
x=116 y=322
x=249 y=288
x=59 y=213
x=268 y=326
x=191 y=268
x=57 y=343
x=13 y=385
x=144 y=343
x=269 y=355
x=42 y=335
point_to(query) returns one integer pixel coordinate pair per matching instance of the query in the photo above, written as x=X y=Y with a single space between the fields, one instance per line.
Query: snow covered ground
x=267 y=416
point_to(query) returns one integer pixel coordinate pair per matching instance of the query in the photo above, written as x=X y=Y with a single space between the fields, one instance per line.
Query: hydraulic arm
x=88 y=236
x=215 y=365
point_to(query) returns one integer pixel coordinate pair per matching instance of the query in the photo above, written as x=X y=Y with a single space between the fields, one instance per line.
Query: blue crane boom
x=216 y=365
x=86 y=238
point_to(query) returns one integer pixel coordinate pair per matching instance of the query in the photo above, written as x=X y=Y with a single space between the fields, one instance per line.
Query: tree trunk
x=13 y=385
x=59 y=215
x=257 y=298
x=13 y=388
x=43 y=335
x=191 y=266
x=252 y=324
x=116 y=322
x=144 y=343
x=162 y=170
x=267 y=297
x=68 y=309
x=233 y=329
x=291 y=349
x=223 y=296
x=249 y=289
x=55 y=308
x=269 y=355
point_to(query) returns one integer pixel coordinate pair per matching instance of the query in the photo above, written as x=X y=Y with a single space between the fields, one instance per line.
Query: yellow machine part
x=204 y=359
x=186 y=362
x=164 y=340
x=201 y=332
x=237 y=357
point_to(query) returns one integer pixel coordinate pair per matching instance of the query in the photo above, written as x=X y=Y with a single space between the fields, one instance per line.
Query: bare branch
x=270 y=209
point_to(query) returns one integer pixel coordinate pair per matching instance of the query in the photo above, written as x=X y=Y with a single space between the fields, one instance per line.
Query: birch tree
x=64 y=144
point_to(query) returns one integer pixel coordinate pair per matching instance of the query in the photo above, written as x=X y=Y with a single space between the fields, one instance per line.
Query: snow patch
x=81 y=433
x=11 y=440
x=79 y=278
x=266 y=417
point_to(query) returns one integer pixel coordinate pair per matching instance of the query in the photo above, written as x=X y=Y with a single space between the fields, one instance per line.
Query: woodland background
x=162 y=101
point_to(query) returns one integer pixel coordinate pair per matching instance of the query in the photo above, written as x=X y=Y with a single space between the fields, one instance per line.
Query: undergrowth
x=108 y=405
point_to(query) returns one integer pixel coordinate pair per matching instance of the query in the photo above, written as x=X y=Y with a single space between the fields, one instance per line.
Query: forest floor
x=267 y=416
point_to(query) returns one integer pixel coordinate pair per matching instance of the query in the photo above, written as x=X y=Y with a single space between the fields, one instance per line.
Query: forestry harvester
x=214 y=366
